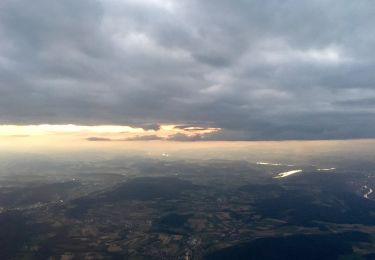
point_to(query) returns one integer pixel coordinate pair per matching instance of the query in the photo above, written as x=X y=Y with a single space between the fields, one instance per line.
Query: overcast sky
x=258 y=69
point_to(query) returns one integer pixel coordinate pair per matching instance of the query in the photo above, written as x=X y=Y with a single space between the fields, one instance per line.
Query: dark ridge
x=174 y=220
x=149 y=188
x=252 y=188
x=335 y=207
x=15 y=233
x=296 y=247
x=23 y=196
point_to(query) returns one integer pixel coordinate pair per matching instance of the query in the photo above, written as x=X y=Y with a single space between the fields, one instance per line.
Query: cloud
x=358 y=102
x=179 y=137
x=134 y=138
x=144 y=138
x=154 y=127
x=189 y=127
x=98 y=139
x=256 y=69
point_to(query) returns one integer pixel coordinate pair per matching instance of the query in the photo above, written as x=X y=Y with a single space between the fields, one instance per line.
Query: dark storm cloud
x=257 y=69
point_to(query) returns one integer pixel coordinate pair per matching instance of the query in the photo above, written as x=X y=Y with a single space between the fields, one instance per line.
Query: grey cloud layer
x=257 y=69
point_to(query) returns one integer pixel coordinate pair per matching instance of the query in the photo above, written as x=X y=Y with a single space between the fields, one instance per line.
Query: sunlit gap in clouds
x=169 y=141
x=107 y=132
x=43 y=129
x=170 y=138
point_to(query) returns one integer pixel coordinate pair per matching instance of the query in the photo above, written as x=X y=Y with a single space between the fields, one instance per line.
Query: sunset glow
x=101 y=132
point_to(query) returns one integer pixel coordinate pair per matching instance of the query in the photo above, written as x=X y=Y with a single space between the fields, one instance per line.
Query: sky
x=188 y=70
